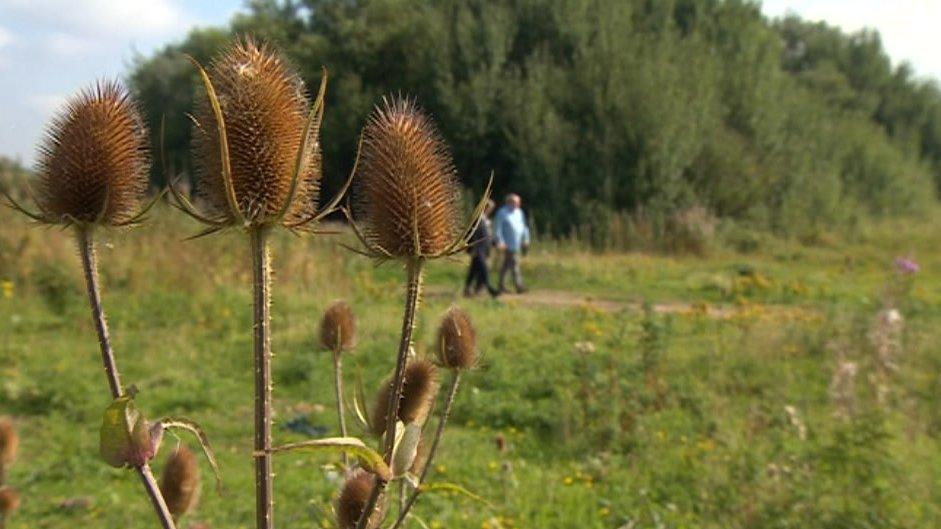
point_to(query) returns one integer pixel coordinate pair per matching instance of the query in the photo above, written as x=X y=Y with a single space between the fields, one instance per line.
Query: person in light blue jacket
x=511 y=235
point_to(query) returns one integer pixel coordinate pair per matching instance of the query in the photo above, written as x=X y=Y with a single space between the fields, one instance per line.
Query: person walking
x=478 y=276
x=512 y=237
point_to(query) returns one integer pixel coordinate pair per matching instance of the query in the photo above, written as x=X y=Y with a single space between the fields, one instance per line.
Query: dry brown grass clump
x=457 y=341
x=406 y=185
x=265 y=111
x=418 y=395
x=353 y=498
x=338 y=327
x=93 y=161
x=180 y=482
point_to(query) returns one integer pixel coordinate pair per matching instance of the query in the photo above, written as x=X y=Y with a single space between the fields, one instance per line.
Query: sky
x=52 y=48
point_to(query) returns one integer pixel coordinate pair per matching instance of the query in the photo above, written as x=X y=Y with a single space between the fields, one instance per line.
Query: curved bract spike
x=136 y=219
x=184 y=205
x=223 y=141
x=372 y=249
x=369 y=458
x=169 y=423
x=204 y=233
x=332 y=205
x=16 y=206
x=461 y=243
x=314 y=121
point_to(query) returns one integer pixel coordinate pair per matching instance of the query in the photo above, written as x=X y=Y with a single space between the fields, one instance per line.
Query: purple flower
x=905 y=265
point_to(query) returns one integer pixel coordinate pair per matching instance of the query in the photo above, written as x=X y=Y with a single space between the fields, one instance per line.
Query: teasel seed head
x=179 y=483
x=265 y=112
x=9 y=442
x=93 y=161
x=418 y=395
x=9 y=501
x=338 y=327
x=457 y=341
x=406 y=187
x=353 y=498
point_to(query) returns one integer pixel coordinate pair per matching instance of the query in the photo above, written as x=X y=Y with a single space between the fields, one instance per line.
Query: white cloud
x=46 y=105
x=908 y=27
x=102 y=18
x=5 y=37
x=68 y=45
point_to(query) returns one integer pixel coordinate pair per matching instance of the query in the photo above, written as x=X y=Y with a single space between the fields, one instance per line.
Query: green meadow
x=625 y=391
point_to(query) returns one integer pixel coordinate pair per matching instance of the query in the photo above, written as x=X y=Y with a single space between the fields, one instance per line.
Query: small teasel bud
x=265 y=111
x=457 y=341
x=406 y=184
x=93 y=162
x=9 y=501
x=9 y=443
x=179 y=483
x=338 y=327
x=500 y=442
x=418 y=395
x=353 y=498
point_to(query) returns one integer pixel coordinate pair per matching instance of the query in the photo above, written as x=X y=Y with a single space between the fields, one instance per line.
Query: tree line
x=596 y=108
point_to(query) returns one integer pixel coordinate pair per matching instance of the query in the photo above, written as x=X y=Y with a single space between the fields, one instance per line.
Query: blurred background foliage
x=616 y=121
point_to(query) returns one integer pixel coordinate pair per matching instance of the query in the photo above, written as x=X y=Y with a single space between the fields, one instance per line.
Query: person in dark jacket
x=479 y=250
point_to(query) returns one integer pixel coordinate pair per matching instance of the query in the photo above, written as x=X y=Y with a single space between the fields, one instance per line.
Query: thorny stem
x=439 y=433
x=414 y=271
x=338 y=385
x=264 y=475
x=90 y=267
x=86 y=246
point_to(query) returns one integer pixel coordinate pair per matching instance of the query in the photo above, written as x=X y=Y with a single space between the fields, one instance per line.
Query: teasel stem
x=439 y=433
x=338 y=385
x=414 y=270
x=86 y=244
x=264 y=475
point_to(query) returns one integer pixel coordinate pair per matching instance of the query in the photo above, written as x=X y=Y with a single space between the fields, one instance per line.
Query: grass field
x=714 y=407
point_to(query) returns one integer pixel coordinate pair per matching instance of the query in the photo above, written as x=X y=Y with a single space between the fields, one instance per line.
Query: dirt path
x=564 y=299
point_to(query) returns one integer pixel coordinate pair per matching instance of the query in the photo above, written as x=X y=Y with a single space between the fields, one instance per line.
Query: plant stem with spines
x=439 y=433
x=338 y=386
x=86 y=246
x=261 y=283
x=414 y=271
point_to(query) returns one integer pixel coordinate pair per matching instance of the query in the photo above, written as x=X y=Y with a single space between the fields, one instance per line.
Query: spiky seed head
x=265 y=110
x=353 y=498
x=9 y=442
x=93 y=160
x=9 y=501
x=457 y=340
x=338 y=327
x=418 y=395
x=406 y=186
x=180 y=482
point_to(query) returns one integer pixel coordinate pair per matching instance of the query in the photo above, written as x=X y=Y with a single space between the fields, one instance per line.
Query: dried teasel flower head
x=93 y=161
x=9 y=442
x=457 y=341
x=353 y=498
x=9 y=501
x=406 y=186
x=255 y=142
x=179 y=483
x=338 y=327
x=418 y=395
